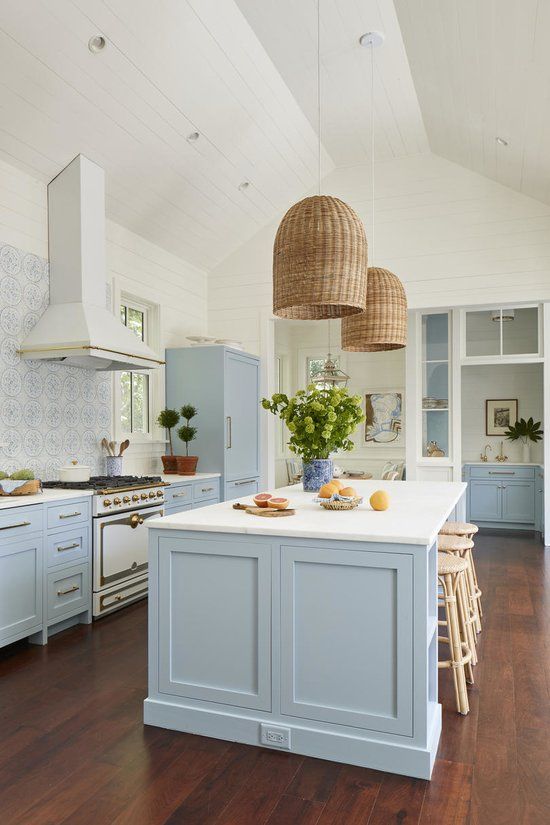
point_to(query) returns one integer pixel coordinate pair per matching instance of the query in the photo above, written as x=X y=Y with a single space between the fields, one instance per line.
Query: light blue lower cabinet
x=506 y=496
x=21 y=591
x=315 y=647
x=241 y=489
x=68 y=591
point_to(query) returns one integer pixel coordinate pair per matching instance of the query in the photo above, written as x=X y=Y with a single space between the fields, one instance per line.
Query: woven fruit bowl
x=340 y=504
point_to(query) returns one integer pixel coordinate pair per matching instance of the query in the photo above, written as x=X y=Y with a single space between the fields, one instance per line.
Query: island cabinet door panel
x=347 y=637
x=242 y=417
x=485 y=500
x=215 y=621
x=518 y=501
x=20 y=587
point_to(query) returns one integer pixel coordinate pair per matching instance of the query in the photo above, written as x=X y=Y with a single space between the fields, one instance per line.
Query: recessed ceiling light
x=244 y=185
x=193 y=137
x=96 y=43
x=501 y=141
x=371 y=39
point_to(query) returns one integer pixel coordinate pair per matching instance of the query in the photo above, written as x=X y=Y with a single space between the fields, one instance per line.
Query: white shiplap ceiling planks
x=482 y=70
x=288 y=31
x=169 y=68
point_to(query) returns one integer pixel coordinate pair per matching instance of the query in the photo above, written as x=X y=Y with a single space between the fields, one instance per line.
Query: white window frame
x=151 y=318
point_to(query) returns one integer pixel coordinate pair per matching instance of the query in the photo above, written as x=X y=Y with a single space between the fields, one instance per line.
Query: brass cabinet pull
x=180 y=495
x=247 y=481
x=70 y=515
x=207 y=489
x=228 y=423
x=70 y=590
x=502 y=472
x=13 y=526
x=61 y=549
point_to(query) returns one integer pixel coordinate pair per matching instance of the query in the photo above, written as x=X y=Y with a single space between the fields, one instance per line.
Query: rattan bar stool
x=461 y=546
x=468 y=530
x=450 y=573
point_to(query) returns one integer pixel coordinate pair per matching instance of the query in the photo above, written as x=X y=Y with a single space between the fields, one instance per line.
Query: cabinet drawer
x=68 y=546
x=206 y=489
x=182 y=494
x=68 y=513
x=177 y=508
x=240 y=489
x=510 y=472
x=206 y=503
x=19 y=521
x=68 y=591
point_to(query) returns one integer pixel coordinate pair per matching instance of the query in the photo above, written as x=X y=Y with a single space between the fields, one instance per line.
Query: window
x=134 y=386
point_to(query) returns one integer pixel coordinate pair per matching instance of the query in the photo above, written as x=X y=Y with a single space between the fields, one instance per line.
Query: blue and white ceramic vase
x=316 y=473
x=113 y=465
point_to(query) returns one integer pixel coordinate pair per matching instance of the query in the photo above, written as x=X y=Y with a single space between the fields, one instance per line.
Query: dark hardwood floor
x=73 y=748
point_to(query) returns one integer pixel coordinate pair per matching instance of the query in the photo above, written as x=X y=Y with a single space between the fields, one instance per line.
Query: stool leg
x=477 y=590
x=473 y=590
x=465 y=622
x=455 y=645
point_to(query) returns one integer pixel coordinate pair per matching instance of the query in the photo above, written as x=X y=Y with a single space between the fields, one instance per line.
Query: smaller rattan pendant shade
x=319 y=261
x=383 y=324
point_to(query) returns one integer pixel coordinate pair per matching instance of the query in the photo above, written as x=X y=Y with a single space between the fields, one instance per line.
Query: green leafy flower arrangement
x=524 y=431
x=320 y=421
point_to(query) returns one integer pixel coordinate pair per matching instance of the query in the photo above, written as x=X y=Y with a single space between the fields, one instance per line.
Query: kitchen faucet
x=483 y=455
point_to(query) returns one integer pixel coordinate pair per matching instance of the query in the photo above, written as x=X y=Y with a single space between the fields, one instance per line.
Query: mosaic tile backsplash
x=49 y=413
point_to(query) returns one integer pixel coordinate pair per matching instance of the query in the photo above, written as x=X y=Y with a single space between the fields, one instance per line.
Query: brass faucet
x=501 y=456
x=483 y=455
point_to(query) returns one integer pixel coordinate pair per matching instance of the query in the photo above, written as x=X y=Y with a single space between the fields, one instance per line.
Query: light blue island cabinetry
x=224 y=384
x=45 y=568
x=315 y=634
x=505 y=495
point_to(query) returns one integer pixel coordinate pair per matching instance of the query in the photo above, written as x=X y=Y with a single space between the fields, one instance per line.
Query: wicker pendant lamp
x=320 y=251
x=319 y=261
x=383 y=323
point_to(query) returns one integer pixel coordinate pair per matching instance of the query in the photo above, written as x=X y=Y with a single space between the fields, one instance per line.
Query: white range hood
x=77 y=328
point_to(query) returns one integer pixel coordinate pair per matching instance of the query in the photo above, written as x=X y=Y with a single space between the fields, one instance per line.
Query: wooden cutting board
x=266 y=512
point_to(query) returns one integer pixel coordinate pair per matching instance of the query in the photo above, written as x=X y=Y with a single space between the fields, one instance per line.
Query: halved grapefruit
x=261 y=499
x=278 y=503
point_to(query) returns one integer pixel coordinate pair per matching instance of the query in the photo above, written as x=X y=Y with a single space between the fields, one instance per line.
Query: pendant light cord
x=319 y=94
x=371 y=256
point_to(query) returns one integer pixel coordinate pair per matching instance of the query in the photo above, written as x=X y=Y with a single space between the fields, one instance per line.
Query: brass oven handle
x=70 y=590
x=13 y=526
x=228 y=423
x=135 y=520
x=60 y=548
x=70 y=515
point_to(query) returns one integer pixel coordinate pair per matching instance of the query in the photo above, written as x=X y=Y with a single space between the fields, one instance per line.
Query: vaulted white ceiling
x=482 y=70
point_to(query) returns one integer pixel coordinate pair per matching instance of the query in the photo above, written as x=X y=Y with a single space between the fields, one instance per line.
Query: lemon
x=379 y=500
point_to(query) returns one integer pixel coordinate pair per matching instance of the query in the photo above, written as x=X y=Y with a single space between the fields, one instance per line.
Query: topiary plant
x=168 y=419
x=22 y=475
x=187 y=433
x=524 y=431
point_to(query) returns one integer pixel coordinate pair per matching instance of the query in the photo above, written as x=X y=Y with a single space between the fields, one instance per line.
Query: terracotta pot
x=187 y=464
x=170 y=463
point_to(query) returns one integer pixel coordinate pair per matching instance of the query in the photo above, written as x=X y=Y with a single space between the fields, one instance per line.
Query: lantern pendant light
x=331 y=375
x=383 y=323
x=320 y=251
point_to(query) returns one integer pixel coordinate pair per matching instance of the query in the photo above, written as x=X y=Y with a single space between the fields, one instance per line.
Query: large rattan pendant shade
x=383 y=324
x=319 y=261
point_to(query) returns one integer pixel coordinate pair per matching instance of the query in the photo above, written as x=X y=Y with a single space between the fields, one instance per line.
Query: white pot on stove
x=74 y=472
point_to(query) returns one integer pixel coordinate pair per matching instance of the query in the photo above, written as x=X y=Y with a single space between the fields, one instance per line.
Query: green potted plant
x=527 y=432
x=320 y=421
x=168 y=419
x=187 y=464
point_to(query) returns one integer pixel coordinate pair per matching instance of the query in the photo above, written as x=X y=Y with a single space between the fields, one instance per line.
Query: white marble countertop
x=417 y=511
x=172 y=478
x=8 y=502
x=501 y=464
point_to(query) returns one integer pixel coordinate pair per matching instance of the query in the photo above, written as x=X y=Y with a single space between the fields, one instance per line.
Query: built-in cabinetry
x=189 y=495
x=44 y=569
x=224 y=384
x=505 y=495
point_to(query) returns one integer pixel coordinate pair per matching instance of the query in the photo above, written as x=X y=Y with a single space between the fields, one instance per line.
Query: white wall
x=454 y=238
x=521 y=381
x=295 y=342
x=134 y=265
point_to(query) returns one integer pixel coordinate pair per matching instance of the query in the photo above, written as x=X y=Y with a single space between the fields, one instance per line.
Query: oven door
x=120 y=546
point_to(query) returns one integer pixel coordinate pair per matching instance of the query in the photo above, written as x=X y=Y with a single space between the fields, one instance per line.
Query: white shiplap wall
x=453 y=236
x=135 y=266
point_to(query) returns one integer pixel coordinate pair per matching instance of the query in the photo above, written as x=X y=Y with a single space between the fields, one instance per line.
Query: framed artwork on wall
x=500 y=414
x=383 y=417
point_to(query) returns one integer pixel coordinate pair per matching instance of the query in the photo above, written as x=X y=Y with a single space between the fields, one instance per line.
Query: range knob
x=143 y=496
x=126 y=499
x=107 y=502
x=117 y=501
x=159 y=493
x=151 y=494
x=135 y=497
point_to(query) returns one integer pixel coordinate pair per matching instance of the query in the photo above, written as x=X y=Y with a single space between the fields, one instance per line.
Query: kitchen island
x=314 y=633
